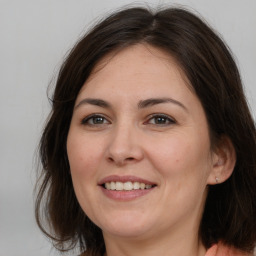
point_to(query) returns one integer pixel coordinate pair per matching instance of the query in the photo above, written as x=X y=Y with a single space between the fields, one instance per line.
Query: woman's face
x=139 y=148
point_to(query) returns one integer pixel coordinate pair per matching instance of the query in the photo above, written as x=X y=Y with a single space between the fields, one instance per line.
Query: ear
x=223 y=161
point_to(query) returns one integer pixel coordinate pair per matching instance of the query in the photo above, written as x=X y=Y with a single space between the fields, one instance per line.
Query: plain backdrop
x=35 y=36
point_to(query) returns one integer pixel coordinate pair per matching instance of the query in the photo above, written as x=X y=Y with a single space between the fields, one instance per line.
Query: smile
x=127 y=186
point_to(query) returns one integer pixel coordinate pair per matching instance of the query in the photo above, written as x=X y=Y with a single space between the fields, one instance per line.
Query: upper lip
x=125 y=179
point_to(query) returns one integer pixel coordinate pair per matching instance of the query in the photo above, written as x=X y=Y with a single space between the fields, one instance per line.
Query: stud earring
x=217 y=180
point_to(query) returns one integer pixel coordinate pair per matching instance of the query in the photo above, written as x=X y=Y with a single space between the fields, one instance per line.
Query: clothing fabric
x=223 y=250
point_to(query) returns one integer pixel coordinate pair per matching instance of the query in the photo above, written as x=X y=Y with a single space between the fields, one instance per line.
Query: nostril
x=129 y=158
x=111 y=159
x=120 y=161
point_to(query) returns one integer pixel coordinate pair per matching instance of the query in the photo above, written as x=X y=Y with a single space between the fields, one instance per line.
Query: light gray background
x=35 y=35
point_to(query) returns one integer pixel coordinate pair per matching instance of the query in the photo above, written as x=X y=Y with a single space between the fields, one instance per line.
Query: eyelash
x=165 y=118
x=162 y=116
x=92 y=117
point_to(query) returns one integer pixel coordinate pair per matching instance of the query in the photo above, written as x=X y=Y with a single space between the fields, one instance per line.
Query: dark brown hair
x=230 y=210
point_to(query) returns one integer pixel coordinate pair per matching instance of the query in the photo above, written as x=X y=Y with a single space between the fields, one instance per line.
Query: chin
x=126 y=225
x=126 y=232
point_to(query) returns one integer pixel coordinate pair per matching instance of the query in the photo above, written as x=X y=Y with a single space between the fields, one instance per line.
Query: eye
x=160 y=119
x=95 y=120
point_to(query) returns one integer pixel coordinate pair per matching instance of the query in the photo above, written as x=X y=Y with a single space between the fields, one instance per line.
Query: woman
x=150 y=146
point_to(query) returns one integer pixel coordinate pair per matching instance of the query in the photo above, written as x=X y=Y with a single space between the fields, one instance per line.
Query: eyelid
x=85 y=120
x=169 y=118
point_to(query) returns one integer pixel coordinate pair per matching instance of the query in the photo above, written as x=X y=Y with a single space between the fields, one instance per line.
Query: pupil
x=98 y=120
x=160 y=120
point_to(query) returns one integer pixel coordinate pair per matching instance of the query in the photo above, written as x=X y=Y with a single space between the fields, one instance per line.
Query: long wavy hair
x=230 y=209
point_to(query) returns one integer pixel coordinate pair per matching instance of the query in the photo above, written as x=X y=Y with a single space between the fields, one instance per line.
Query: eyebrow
x=95 y=102
x=142 y=104
x=154 y=101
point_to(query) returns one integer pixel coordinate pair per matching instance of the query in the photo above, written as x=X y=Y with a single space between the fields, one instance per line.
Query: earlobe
x=223 y=161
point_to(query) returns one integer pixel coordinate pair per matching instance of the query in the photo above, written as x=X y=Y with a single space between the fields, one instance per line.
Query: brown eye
x=161 y=120
x=95 y=120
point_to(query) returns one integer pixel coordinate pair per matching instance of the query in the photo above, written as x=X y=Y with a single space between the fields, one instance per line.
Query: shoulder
x=222 y=250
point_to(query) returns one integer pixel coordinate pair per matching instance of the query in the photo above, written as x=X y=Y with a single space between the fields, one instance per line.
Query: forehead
x=139 y=73
x=141 y=65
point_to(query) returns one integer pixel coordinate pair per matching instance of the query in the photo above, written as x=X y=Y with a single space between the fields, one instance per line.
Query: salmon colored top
x=216 y=250
x=222 y=250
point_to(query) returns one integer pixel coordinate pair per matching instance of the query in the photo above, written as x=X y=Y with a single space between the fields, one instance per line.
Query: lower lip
x=124 y=195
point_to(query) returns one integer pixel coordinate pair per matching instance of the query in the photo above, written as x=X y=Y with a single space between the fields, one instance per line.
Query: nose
x=125 y=146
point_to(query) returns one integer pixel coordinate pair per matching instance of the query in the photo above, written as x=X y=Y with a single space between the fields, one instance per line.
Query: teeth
x=119 y=186
x=142 y=185
x=108 y=185
x=136 y=185
x=112 y=185
x=126 y=185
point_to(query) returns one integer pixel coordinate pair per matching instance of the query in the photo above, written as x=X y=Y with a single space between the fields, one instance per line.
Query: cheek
x=82 y=155
x=182 y=156
x=82 y=158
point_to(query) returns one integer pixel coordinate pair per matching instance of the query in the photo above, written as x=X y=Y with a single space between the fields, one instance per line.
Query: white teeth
x=112 y=185
x=119 y=186
x=126 y=185
x=107 y=186
x=142 y=185
x=136 y=185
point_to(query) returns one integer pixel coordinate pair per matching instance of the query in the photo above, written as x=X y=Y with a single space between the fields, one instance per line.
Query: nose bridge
x=124 y=144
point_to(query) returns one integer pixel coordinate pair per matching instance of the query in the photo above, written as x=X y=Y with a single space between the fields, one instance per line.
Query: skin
x=173 y=152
